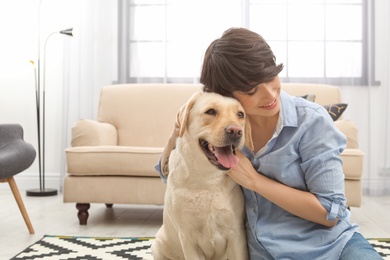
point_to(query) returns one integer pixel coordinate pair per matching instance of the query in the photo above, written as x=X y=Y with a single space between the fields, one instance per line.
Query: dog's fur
x=204 y=208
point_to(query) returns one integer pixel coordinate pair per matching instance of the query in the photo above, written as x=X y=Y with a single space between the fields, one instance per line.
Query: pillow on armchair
x=334 y=110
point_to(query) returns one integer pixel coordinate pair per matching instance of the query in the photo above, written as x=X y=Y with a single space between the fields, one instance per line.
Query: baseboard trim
x=27 y=182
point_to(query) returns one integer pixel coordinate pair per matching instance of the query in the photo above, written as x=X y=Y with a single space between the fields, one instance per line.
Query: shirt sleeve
x=320 y=150
x=157 y=167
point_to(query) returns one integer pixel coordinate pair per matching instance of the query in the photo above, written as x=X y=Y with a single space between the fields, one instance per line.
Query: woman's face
x=263 y=100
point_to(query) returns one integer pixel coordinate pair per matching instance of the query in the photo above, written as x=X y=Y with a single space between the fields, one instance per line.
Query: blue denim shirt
x=304 y=153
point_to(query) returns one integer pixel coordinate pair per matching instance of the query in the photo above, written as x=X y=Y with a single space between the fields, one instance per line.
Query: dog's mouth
x=222 y=157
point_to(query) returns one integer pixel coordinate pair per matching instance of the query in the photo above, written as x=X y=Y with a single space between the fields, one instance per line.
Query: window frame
x=367 y=68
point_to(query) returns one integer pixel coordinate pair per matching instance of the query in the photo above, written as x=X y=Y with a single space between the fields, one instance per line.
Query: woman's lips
x=269 y=106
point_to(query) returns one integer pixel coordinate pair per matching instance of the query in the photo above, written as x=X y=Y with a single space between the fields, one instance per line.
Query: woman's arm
x=167 y=151
x=300 y=203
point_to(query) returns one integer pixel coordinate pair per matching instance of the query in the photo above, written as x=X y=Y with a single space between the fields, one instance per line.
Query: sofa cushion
x=112 y=160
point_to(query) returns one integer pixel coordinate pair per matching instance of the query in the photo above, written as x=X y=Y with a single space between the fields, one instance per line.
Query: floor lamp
x=43 y=191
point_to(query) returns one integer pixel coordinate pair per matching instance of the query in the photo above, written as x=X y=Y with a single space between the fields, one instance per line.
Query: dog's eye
x=241 y=114
x=211 y=112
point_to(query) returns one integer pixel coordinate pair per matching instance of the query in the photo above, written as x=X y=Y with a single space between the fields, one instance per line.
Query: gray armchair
x=15 y=156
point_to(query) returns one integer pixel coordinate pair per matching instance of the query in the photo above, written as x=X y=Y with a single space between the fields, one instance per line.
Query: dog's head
x=219 y=124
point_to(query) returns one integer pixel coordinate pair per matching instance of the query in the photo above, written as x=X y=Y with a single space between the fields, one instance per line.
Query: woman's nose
x=266 y=90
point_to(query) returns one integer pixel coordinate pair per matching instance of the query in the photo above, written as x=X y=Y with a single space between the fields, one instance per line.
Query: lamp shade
x=67 y=31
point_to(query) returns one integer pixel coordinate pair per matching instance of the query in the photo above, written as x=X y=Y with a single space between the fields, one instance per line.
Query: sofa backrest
x=144 y=114
x=325 y=94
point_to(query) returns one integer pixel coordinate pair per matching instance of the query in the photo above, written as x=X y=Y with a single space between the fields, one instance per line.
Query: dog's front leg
x=237 y=247
x=158 y=247
x=191 y=249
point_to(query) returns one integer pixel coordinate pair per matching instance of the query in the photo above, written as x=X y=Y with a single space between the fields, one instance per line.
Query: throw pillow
x=310 y=97
x=336 y=110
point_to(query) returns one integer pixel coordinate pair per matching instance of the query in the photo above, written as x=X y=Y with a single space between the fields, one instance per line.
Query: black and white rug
x=95 y=248
x=88 y=248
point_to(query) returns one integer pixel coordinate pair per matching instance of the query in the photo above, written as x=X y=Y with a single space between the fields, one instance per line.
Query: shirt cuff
x=334 y=210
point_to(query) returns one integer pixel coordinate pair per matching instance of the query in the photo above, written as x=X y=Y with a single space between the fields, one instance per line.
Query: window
x=316 y=40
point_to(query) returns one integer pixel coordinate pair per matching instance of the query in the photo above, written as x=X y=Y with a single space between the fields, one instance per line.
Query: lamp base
x=41 y=192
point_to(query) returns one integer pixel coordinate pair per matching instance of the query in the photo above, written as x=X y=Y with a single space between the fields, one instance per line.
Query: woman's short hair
x=239 y=60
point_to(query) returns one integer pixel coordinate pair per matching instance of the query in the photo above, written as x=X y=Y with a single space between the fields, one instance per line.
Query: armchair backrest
x=144 y=114
x=9 y=133
x=325 y=94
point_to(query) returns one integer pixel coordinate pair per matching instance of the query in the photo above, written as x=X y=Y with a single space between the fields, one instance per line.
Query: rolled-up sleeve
x=320 y=148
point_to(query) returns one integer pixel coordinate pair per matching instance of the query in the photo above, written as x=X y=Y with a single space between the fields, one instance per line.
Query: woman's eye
x=251 y=92
x=211 y=111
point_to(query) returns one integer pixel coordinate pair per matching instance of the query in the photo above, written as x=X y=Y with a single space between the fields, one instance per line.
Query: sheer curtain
x=90 y=62
x=369 y=104
x=374 y=116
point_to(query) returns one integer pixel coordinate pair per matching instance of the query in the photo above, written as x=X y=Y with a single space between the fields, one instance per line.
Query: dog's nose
x=233 y=131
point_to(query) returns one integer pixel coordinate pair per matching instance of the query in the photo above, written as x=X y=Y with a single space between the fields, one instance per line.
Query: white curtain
x=369 y=105
x=90 y=62
x=374 y=103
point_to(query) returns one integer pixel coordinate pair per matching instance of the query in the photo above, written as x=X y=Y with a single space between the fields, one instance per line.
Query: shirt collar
x=288 y=113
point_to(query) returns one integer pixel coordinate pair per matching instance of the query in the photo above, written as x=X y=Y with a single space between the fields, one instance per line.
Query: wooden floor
x=50 y=216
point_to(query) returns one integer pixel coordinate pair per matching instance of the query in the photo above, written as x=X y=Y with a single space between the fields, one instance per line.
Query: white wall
x=368 y=106
x=19 y=44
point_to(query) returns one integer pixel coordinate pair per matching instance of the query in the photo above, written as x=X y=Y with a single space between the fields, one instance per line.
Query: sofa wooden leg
x=83 y=212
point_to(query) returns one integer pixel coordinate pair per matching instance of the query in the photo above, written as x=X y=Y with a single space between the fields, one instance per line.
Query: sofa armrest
x=349 y=129
x=352 y=163
x=88 y=132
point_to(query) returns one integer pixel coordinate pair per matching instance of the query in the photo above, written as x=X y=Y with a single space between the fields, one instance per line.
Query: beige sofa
x=112 y=159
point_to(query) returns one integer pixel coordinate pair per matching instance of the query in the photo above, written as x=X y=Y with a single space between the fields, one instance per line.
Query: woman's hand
x=300 y=203
x=244 y=173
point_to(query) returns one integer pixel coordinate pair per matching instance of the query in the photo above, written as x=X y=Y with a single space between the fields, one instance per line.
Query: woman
x=292 y=181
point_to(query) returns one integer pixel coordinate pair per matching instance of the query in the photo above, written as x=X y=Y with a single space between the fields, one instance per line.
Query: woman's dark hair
x=239 y=60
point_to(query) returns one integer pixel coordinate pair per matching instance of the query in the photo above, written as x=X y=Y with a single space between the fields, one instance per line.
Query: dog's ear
x=182 y=115
x=248 y=134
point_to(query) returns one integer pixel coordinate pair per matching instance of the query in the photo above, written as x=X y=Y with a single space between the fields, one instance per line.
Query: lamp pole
x=43 y=191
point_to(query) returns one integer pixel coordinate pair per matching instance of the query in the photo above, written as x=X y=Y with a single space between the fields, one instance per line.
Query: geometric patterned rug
x=106 y=248
x=88 y=248
x=382 y=246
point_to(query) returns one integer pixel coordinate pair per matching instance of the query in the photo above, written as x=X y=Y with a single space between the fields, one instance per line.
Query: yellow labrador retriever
x=204 y=209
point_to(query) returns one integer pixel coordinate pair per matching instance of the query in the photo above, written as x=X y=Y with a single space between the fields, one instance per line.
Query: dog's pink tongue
x=226 y=157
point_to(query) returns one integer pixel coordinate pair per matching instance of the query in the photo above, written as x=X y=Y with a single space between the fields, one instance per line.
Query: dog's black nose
x=233 y=131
